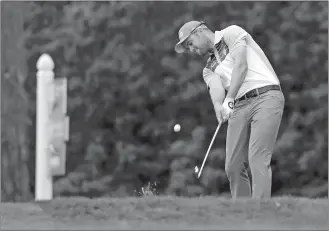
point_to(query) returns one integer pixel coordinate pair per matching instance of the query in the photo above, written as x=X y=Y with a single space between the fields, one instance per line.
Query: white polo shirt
x=260 y=72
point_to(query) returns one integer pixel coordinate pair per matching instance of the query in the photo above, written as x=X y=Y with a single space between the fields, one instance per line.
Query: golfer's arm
x=217 y=94
x=216 y=91
x=240 y=70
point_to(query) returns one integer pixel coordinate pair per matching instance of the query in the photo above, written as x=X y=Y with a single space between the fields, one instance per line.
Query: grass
x=167 y=212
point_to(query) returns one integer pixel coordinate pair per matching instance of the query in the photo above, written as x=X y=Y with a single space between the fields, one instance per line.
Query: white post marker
x=45 y=77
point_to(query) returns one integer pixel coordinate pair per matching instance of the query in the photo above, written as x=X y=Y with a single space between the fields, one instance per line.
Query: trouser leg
x=236 y=163
x=266 y=117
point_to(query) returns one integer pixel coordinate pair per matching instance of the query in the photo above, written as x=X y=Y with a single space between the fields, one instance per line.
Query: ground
x=155 y=212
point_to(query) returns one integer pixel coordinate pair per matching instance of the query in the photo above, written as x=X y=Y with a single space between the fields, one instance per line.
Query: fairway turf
x=169 y=212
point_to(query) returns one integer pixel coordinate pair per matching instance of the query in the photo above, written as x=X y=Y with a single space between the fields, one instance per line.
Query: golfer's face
x=196 y=44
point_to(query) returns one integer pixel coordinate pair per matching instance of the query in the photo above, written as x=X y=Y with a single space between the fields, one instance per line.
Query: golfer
x=245 y=91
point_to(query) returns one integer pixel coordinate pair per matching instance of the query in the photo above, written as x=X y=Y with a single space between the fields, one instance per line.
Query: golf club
x=197 y=170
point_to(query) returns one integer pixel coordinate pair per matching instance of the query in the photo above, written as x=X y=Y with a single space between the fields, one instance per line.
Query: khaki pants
x=251 y=136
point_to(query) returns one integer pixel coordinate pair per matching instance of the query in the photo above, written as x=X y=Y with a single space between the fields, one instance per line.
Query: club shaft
x=212 y=141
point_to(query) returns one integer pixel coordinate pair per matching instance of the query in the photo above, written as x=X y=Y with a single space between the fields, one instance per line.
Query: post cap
x=45 y=63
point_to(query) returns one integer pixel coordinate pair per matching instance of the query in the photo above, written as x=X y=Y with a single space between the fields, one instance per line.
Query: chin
x=203 y=53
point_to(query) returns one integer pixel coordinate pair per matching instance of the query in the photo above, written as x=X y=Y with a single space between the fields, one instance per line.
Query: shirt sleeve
x=234 y=36
x=208 y=76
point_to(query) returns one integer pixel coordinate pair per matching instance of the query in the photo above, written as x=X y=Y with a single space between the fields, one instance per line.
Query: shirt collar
x=218 y=37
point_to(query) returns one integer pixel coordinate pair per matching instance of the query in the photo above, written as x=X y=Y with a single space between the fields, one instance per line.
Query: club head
x=196 y=169
x=197 y=172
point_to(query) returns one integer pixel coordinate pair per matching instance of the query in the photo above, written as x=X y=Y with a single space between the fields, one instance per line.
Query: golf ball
x=196 y=169
x=177 y=128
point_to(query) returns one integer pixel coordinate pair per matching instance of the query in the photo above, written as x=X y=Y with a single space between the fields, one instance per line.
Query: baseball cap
x=184 y=32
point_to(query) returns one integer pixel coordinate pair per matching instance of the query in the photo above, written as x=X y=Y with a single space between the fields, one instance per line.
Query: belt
x=257 y=92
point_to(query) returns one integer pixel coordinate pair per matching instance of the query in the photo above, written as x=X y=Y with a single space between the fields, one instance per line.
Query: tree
x=15 y=119
x=127 y=88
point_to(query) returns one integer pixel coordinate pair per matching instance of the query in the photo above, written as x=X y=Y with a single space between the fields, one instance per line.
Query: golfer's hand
x=220 y=113
x=228 y=106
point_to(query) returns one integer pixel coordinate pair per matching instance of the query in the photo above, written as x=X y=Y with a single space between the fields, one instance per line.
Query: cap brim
x=179 y=48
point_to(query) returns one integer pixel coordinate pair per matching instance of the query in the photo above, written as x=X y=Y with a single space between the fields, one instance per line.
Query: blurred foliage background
x=127 y=88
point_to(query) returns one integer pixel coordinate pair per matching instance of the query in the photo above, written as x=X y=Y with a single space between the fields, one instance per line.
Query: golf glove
x=228 y=106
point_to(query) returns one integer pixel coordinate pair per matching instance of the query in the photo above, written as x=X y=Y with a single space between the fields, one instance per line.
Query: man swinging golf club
x=253 y=104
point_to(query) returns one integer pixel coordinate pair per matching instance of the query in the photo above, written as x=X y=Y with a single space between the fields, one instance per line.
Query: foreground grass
x=167 y=213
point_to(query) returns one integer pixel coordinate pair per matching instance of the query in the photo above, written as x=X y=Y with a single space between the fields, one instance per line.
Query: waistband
x=257 y=92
